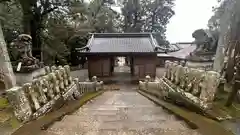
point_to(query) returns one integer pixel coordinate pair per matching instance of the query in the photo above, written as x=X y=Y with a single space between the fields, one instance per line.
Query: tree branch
x=4 y=0
x=48 y=11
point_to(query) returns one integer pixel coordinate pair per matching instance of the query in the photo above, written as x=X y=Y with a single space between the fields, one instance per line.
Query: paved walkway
x=123 y=112
x=120 y=113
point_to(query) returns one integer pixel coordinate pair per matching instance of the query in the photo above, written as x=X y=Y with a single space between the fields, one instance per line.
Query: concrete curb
x=155 y=100
x=203 y=125
x=34 y=127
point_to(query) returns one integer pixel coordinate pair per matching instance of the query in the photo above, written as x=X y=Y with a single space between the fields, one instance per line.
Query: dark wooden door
x=136 y=70
x=97 y=68
x=141 y=71
x=150 y=70
x=106 y=67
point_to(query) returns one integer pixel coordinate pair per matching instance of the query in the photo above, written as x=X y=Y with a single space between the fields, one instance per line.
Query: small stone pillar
x=182 y=63
x=53 y=68
x=68 y=73
x=76 y=81
x=77 y=92
x=59 y=67
x=147 y=80
x=94 y=80
x=47 y=70
x=20 y=103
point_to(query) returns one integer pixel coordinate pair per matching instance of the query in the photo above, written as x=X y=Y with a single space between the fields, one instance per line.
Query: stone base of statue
x=22 y=78
x=27 y=66
x=201 y=60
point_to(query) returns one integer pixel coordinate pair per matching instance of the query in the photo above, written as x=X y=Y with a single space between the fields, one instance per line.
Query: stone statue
x=206 y=42
x=23 y=47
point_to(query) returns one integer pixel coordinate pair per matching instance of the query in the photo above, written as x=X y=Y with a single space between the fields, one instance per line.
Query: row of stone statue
x=199 y=83
x=193 y=80
x=38 y=97
x=31 y=97
x=54 y=82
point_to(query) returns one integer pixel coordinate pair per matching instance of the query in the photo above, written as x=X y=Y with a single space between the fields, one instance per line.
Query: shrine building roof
x=121 y=43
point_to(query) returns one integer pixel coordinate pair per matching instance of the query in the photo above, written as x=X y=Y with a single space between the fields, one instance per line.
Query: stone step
x=117 y=107
x=96 y=112
x=50 y=133
x=73 y=127
x=143 y=110
x=99 y=108
x=173 y=125
x=112 y=132
x=120 y=113
x=120 y=132
x=91 y=118
x=117 y=122
x=145 y=117
x=117 y=117
x=137 y=132
x=62 y=132
x=123 y=132
x=128 y=113
x=128 y=125
x=140 y=125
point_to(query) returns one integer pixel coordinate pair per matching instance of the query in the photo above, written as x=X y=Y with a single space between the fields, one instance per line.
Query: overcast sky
x=189 y=16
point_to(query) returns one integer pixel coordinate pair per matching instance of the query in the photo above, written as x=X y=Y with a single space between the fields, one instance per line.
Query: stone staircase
x=120 y=113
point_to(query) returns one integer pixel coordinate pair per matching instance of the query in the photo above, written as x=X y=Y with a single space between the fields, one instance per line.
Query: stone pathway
x=120 y=113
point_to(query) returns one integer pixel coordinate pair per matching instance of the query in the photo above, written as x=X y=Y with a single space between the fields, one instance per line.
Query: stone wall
x=41 y=95
x=184 y=84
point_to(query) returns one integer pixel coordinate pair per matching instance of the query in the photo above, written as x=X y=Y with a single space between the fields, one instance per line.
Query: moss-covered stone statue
x=22 y=47
x=206 y=45
x=206 y=42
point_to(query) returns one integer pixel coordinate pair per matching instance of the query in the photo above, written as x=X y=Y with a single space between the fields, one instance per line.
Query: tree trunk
x=36 y=41
x=27 y=15
x=31 y=24
x=236 y=76
x=235 y=52
x=233 y=93
x=6 y=70
x=26 y=22
x=219 y=59
x=222 y=41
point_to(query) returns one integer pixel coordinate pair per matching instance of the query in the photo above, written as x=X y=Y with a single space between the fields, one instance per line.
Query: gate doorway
x=122 y=71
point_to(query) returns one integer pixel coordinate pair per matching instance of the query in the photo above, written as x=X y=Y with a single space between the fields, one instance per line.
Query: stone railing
x=41 y=95
x=185 y=85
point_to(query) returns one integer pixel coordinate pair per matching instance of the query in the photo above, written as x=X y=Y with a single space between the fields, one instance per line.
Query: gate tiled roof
x=120 y=43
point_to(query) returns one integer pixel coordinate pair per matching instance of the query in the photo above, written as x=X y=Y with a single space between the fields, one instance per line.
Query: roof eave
x=113 y=54
x=110 y=35
x=87 y=47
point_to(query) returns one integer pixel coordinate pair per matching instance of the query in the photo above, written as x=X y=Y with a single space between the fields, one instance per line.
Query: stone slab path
x=120 y=113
